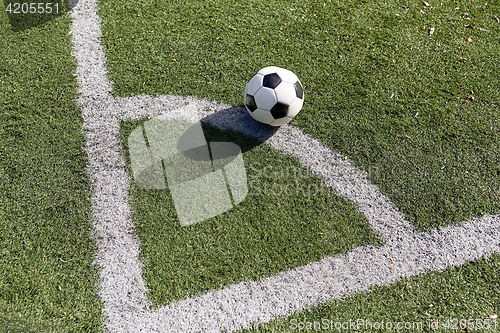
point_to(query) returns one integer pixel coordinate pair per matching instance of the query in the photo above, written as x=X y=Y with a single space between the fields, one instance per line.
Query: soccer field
x=375 y=209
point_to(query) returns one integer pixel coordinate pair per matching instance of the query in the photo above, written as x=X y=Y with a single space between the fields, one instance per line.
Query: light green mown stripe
x=378 y=88
x=47 y=280
x=468 y=292
x=270 y=231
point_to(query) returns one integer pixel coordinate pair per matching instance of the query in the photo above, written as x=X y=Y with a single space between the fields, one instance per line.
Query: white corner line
x=122 y=288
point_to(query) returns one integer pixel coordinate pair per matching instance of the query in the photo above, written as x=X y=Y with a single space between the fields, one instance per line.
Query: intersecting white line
x=122 y=288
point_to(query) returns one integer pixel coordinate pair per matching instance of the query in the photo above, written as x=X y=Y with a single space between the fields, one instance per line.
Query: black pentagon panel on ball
x=299 y=91
x=250 y=103
x=271 y=80
x=279 y=110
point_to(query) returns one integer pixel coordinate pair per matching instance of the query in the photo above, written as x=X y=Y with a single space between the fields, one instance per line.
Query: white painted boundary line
x=122 y=288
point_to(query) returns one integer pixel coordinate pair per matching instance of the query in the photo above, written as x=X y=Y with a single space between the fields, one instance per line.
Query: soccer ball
x=274 y=96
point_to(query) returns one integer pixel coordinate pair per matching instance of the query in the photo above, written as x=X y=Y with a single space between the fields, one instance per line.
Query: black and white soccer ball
x=274 y=96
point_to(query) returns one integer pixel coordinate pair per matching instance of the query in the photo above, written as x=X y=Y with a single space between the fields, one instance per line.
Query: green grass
x=378 y=88
x=270 y=231
x=48 y=282
x=32 y=14
x=420 y=114
x=467 y=292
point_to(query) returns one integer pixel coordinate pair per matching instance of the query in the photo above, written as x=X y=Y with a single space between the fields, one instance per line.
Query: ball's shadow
x=237 y=126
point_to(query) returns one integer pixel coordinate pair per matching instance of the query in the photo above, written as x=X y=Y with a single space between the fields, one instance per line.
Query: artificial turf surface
x=420 y=112
x=47 y=280
x=288 y=219
x=460 y=299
